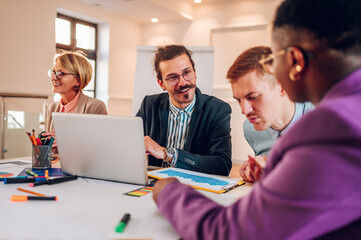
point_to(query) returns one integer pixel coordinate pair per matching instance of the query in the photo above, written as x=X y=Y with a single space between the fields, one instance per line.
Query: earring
x=291 y=75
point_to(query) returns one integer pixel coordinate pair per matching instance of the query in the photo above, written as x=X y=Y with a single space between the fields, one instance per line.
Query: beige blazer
x=86 y=105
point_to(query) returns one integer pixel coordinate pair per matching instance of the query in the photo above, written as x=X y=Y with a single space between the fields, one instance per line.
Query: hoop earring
x=292 y=77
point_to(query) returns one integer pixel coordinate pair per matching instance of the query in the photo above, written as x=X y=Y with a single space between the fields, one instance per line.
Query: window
x=16 y=119
x=73 y=34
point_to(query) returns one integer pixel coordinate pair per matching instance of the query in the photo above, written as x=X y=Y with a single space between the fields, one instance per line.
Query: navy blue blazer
x=208 y=144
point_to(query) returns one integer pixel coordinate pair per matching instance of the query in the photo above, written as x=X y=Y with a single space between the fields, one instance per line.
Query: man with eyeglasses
x=269 y=111
x=183 y=127
x=311 y=186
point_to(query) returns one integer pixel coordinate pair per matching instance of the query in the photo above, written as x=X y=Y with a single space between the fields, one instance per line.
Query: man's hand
x=153 y=148
x=251 y=170
x=159 y=185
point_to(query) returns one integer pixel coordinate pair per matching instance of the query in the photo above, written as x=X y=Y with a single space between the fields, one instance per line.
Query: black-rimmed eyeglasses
x=173 y=79
x=58 y=74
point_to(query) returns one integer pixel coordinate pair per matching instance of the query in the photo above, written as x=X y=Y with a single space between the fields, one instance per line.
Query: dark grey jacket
x=208 y=144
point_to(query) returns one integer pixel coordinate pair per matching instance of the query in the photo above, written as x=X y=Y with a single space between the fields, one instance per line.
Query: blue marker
x=2 y=179
x=23 y=180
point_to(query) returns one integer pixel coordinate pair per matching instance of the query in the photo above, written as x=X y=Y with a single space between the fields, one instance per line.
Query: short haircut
x=169 y=52
x=337 y=22
x=77 y=63
x=248 y=62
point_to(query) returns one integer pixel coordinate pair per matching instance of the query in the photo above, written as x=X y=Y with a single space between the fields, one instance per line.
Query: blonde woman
x=70 y=74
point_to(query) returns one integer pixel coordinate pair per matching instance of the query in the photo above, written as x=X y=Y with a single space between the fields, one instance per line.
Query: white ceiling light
x=197 y=1
x=155 y=20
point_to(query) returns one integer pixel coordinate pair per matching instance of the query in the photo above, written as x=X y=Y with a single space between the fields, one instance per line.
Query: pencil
x=31 y=192
x=34 y=141
x=30 y=137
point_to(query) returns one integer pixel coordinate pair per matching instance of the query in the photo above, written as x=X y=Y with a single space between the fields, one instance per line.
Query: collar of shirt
x=70 y=106
x=188 y=110
x=299 y=111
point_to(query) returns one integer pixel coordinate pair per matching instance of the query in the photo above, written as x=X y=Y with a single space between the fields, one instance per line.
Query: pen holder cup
x=42 y=156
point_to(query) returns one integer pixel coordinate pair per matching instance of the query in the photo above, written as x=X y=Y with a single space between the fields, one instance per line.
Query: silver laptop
x=102 y=147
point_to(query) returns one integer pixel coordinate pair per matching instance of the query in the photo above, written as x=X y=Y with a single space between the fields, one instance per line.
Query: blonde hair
x=77 y=63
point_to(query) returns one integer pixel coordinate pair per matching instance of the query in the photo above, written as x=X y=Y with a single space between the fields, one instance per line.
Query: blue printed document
x=202 y=181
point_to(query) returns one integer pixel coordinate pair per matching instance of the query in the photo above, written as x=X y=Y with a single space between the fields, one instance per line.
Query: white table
x=87 y=209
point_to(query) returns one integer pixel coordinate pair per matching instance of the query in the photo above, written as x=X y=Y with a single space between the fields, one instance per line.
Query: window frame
x=91 y=54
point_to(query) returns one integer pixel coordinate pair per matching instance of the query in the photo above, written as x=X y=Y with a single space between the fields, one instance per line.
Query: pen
x=31 y=173
x=2 y=179
x=23 y=180
x=62 y=179
x=121 y=225
x=31 y=138
x=34 y=141
x=40 y=135
x=34 y=184
x=38 y=141
x=20 y=198
x=54 y=180
x=51 y=141
x=33 y=133
x=31 y=192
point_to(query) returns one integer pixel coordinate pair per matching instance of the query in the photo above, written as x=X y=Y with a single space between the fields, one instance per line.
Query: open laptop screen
x=101 y=146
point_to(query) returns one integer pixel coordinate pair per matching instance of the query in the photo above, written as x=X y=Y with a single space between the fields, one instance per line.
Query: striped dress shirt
x=178 y=121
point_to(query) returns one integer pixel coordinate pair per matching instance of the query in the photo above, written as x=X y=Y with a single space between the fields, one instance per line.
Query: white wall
x=26 y=45
x=230 y=27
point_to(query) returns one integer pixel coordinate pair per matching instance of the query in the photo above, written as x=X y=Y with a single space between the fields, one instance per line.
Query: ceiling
x=142 y=11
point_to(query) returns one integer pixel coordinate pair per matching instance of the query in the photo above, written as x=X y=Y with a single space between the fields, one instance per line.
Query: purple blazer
x=311 y=187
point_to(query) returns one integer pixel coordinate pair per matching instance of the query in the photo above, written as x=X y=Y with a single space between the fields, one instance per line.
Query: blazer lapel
x=196 y=116
x=80 y=106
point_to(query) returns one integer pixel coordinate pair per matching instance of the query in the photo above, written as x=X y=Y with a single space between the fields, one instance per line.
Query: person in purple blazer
x=311 y=187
